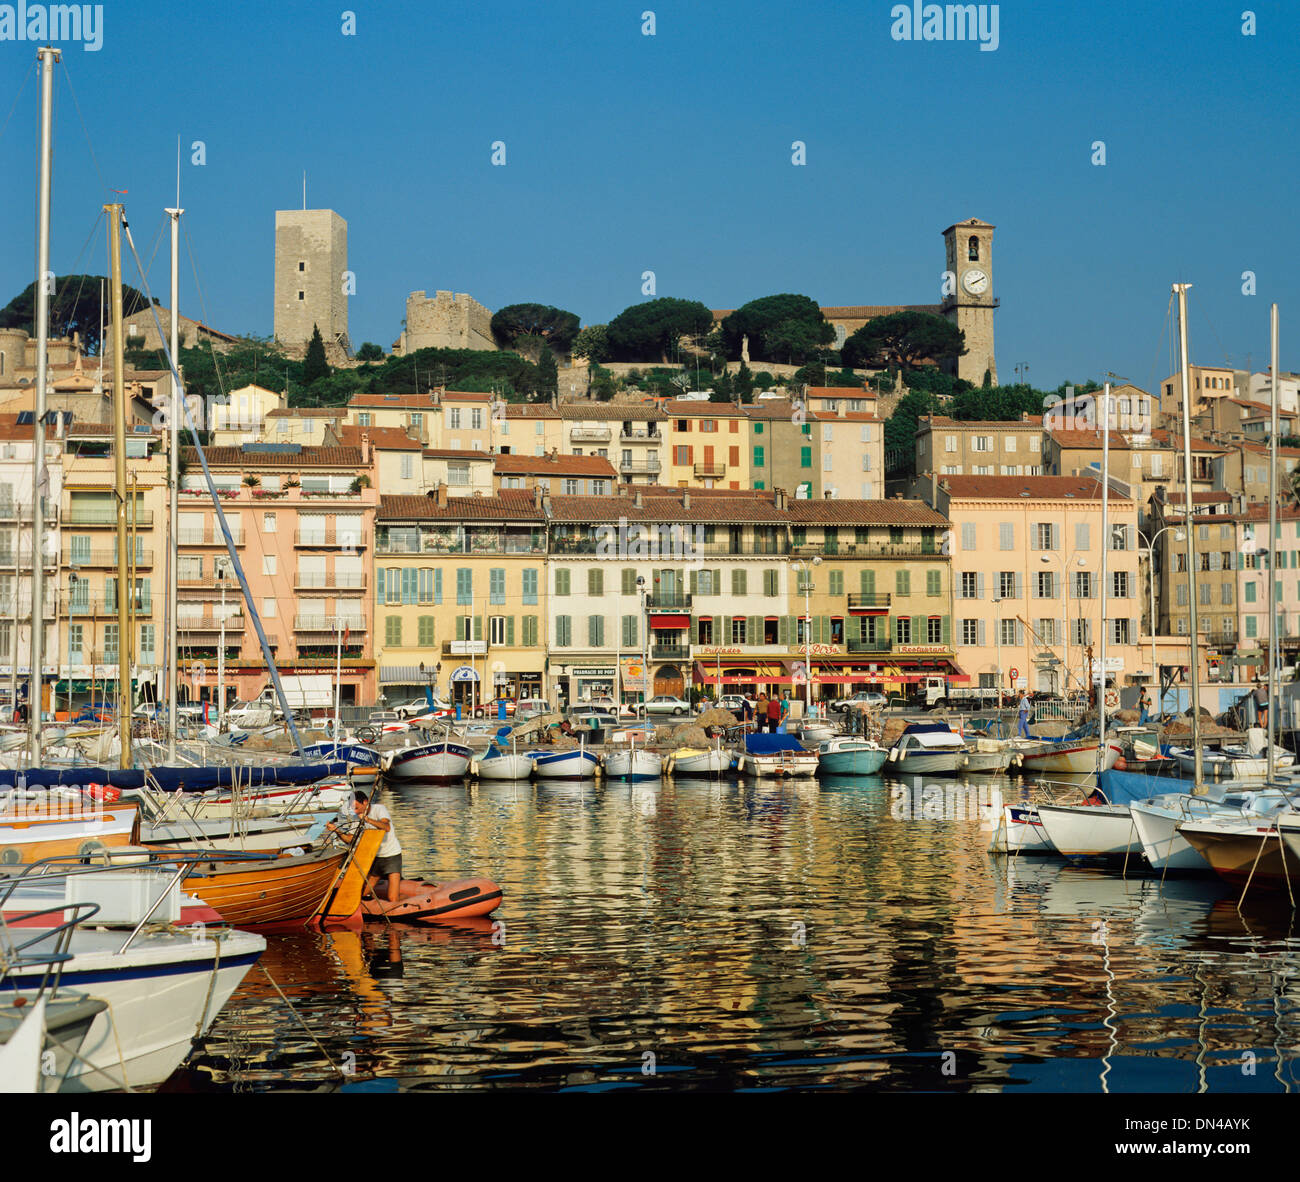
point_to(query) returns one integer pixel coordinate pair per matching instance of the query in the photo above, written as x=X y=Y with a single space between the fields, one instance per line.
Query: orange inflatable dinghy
x=434 y=902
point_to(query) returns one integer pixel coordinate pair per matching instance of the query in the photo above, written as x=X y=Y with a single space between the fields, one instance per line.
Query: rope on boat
x=212 y=984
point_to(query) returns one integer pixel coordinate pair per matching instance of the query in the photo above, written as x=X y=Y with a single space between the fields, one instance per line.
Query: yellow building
x=460 y=596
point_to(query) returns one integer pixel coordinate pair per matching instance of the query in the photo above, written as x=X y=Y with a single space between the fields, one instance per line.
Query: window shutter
x=478 y=627
x=968 y=535
x=695 y=582
x=980 y=633
x=717 y=583
x=510 y=631
x=979 y=585
x=783 y=630
x=1081 y=535
x=1019 y=592
x=947 y=631
x=1020 y=632
x=1034 y=537
x=379 y=584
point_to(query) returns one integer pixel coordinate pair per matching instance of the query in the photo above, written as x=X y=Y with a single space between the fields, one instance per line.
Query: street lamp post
x=73 y=580
x=1151 y=589
x=645 y=637
x=806 y=570
x=998 y=624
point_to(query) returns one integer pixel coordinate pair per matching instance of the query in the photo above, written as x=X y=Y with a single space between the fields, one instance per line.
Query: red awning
x=675 y=620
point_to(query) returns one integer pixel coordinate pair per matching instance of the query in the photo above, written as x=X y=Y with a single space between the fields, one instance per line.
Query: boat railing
x=1063 y=792
x=17 y=954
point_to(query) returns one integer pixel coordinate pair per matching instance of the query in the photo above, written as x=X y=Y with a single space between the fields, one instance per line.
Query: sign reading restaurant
x=766 y=650
x=922 y=649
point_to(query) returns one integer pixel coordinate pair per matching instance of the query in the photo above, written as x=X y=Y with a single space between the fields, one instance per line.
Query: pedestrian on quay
x=773 y=713
x=1261 y=705
x=1024 y=714
x=746 y=710
x=760 y=713
x=1144 y=704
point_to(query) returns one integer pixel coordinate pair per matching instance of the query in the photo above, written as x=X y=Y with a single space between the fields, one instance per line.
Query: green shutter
x=629 y=581
x=947 y=631
x=379 y=584
x=695 y=582
x=783 y=630
x=722 y=634
x=510 y=631
x=478 y=627
x=917 y=621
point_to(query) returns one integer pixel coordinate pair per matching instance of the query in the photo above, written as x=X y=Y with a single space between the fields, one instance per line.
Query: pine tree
x=548 y=374
x=314 y=365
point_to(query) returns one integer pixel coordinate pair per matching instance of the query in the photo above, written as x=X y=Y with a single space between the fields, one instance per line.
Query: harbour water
x=809 y=934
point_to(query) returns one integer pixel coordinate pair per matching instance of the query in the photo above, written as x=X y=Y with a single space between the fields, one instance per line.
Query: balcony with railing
x=638 y=435
x=93 y=606
x=106 y=558
x=872 y=644
x=648 y=467
x=12 y=512
x=590 y=434
x=330 y=581
x=207 y=536
x=330 y=624
x=461 y=540
x=669 y=652
x=350 y=539
x=660 y=545
x=86 y=516
x=661 y=601
x=868 y=549
x=711 y=471
x=859 y=601
x=209 y=625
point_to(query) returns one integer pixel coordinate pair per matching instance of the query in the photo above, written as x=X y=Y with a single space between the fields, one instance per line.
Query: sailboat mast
x=1105 y=566
x=173 y=481
x=44 y=283
x=115 y=214
x=1273 y=647
x=1181 y=290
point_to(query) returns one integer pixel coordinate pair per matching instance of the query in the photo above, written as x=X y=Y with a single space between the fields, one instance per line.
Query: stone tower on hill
x=968 y=248
x=311 y=262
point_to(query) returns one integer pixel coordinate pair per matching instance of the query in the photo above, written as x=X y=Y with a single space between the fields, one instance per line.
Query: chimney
x=441 y=497
x=934 y=488
x=779 y=498
x=686 y=500
x=537 y=496
x=365 y=448
x=636 y=500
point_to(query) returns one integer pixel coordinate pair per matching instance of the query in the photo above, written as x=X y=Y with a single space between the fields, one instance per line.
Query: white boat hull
x=634 y=765
x=565 y=765
x=702 y=763
x=926 y=763
x=1020 y=831
x=779 y=765
x=1090 y=831
x=1164 y=847
x=1079 y=758
x=505 y=767
x=432 y=761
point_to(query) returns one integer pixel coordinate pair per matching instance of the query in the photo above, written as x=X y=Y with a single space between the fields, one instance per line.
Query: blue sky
x=672 y=153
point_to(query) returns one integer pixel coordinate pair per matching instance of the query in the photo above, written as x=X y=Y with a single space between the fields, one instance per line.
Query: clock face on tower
x=975 y=281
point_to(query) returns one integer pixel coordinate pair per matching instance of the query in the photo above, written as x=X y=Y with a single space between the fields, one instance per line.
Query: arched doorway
x=669 y=680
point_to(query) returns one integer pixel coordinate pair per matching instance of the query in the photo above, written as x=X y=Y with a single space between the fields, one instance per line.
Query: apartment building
x=527 y=428
x=398 y=456
x=416 y=414
x=852 y=454
x=89 y=639
x=460 y=596
x=1207 y=384
x=1243 y=467
x=243 y=416
x=304 y=425
x=1027 y=576
x=708 y=446
x=955 y=447
x=462 y=473
x=629 y=435
x=1257 y=555
x=302 y=522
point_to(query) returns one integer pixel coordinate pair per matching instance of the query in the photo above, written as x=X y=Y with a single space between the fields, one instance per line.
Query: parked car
x=735 y=703
x=418 y=706
x=862 y=698
x=495 y=705
x=667 y=704
x=531 y=708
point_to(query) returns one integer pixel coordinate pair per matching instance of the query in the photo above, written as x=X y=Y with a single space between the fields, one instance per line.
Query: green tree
x=538 y=325
x=603 y=386
x=74 y=307
x=744 y=384
x=651 y=331
x=900 y=432
x=592 y=343
x=548 y=374
x=723 y=388
x=370 y=352
x=902 y=340
x=314 y=365
x=779 y=327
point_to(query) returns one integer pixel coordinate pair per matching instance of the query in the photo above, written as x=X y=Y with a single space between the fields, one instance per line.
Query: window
x=530 y=585
x=970 y=631
x=595 y=582
x=496 y=630
x=425 y=632
x=1250 y=592
x=1227 y=594
x=1008 y=584
x=630 y=638
x=1119 y=631
x=268 y=523
x=595 y=631
x=268 y=609
x=458 y=475
x=1121 y=537
x=530 y=631
x=1046 y=629
x=739 y=630
x=1082 y=584
x=563 y=631
x=1046 y=536
x=572 y=487
x=933 y=582
x=1081 y=540
x=1119 y=589
x=1006 y=536
x=562 y=582
x=1045 y=584
x=268 y=564
x=971 y=585
x=770 y=583
x=408 y=467
x=903 y=582
x=363 y=419
x=934 y=630
x=968 y=535
x=465 y=586
x=805 y=457
x=454 y=418
x=497 y=585
x=1007 y=629
x=1252 y=626
x=302 y=266
x=950 y=443
x=738 y=580
x=982 y=443
x=758 y=455
x=302 y=295
x=902 y=630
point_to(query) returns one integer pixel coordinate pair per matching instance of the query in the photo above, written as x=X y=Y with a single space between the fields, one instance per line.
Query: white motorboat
x=776 y=756
x=927 y=748
x=1020 y=831
x=577 y=764
x=700 y=761
x=440 y=760
x=1090 y=830
x=164 y=985
x=987 y=757
x=497 y=764
x=633 y=763
x=845 y=755
x=1159 y=822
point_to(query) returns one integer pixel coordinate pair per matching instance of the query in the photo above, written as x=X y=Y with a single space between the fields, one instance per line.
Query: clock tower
x=969 y=249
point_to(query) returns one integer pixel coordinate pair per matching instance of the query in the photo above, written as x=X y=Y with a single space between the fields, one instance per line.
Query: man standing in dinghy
x=388 y=859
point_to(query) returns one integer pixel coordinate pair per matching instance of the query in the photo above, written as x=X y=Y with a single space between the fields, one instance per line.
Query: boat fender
x=1121 y=764
x=893 y=755
x=104 y=792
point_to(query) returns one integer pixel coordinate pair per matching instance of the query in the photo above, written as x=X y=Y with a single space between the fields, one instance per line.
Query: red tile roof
x=631 y=412
x=393 y=401
x=457 y=453
x=554 y=465
x=384 y=438
x=507 y=505
x=1038 y=488
x=306 y=457
x=853 y=512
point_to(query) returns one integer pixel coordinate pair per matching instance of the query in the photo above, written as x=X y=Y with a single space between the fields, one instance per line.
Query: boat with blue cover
x=928 y=748
x=777 y=756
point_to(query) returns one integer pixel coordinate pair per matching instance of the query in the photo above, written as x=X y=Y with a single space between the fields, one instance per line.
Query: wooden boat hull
x=986 y=762
x=1233 y=853
x=275 y=892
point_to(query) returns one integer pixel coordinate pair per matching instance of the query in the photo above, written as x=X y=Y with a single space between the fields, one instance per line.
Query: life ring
x=1112 y=699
